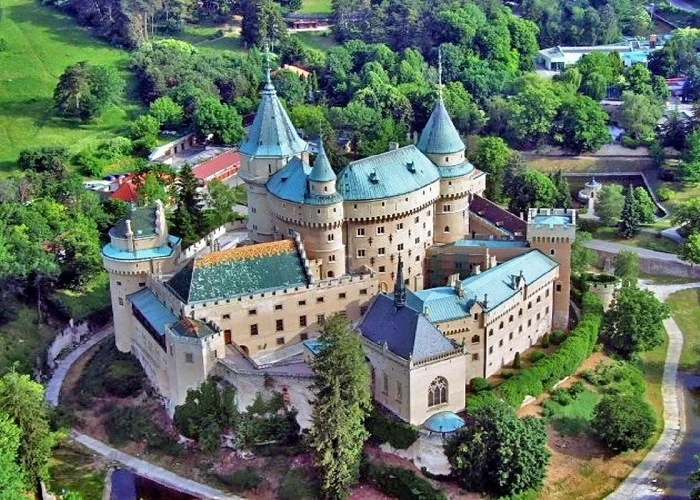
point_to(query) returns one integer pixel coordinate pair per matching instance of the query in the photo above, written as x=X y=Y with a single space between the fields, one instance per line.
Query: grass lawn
x=73 y=469
x=685 y=307
x=22 y=341
x=230 y=41
x=319 y=40
x=40 y=44
x=315 y=7
x=642 y=240
x=683 y=192
x=652 y=364
x=572 y=419
x=94 y=297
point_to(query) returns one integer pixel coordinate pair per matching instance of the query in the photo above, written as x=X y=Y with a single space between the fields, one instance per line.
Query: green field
x=315 y=7
x=685 y=307
x=319 y=40
x=40 y=44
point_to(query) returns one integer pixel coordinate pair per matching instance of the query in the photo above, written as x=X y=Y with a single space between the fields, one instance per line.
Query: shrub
x=516 y=361
x=545 y=340
x=544 y=374
x=577 y=388
x=562 y=397
x=110 y=372
x=623 y=422
x=296 y=486
x=123 y=378
x=478 y=384
x=506 y=374
x=480 y=400
x=242 y=479
x=557 y=337
x=400 y=483
x=665 y=194
x=385 y=429
x=535 y=356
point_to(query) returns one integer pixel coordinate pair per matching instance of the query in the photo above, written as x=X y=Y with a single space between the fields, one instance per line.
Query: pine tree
x=629 y=222
x=188 y=196
x=342 y=402
x=563 y=198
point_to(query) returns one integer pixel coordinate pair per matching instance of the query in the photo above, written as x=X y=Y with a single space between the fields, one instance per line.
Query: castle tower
x=271 y=143
x=325 y=218
x=552 y=231
x=139 y=247
x=441 y=142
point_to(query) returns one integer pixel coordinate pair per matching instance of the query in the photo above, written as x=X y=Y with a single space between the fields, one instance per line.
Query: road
x=609 y=246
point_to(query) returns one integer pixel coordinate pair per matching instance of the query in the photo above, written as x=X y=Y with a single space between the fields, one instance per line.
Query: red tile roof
x=220 y=162
x=498 y=216
x=126 y=192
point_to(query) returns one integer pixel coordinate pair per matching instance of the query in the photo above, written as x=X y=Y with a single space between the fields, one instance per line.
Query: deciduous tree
x=531 y=189
x=218 y=121
x=623 y=422
x=691 y=249
x=492 y=155
x=11 y=476
x=626 y=267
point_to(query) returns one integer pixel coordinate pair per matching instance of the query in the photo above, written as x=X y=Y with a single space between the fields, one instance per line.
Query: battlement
x=551 y=217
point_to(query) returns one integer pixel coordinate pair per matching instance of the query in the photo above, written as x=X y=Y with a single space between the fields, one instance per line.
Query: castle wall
x=453 y=369
x=393 y=392
x=444 y=261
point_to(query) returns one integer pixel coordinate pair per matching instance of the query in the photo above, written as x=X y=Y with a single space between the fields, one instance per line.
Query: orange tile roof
x=248 y=252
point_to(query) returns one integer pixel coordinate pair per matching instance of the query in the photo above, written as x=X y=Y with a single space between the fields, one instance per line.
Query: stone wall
x=71 y=335
x=651 y=265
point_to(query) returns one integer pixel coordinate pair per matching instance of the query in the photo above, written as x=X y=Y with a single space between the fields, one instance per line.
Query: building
x=472 y=284
x=558 y=58
x=220 y=167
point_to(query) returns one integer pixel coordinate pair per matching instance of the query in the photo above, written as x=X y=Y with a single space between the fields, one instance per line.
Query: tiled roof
x=440 y=135
x=155 y=313
x=322 y=171
x=444 y=304
x=290 y=183
x=240 y=271
x=126 y=192
x=456 y=170
x=193 y=328
x=218 y=163
x=498 y=216
x=143 y=223
x=160 y=252
x=552 y=220
x=272 y=132
x=405 y=331
x=393 y=173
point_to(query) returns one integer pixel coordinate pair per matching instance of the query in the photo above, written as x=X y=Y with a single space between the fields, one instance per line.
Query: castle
x=472 y=284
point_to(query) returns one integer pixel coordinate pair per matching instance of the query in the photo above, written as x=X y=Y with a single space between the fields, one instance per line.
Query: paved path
x=684 y=5
x=609 y=246
x=639 y=484
x=140 y=467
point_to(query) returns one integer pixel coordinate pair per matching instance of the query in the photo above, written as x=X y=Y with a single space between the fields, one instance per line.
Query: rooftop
x=490 y=243
x=290 y=183
x=389 y=174
x=240 y=271
x=161 y=252
x=193 y=328
x=552 y=220
x=143 y=223
x=322 y=170
x=152 y=310
x=220 y=162
x=440 y=135
x=445 y=421
x=498 y=216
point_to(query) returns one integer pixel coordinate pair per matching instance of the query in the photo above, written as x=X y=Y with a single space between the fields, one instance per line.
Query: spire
x=268 y=81
x=399 y=287
x=322 y=171
x=440 y=73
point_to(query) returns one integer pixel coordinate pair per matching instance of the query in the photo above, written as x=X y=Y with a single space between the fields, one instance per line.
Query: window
x=252 y=312
x=447 y=229
x=320 y=318
x=119 y=283
x=216 y=353
x=226 y=316
x=510 y=319
x=342 y=295
x=331 y=258
x=510 y=336
x=446 y=208
x=491 y=332
x=546 y=292
x=385 y=387
x=559 y=286
x=399 y=391
x=475 y=356
x=189 y=358
x=331 y=237
x=417 y=258
x=380 y=229
x=539 y=299
x=437 y=392
x=302 y=320
x=475 y=339
x=142 y=284
x=399 y=247
x=416 y=220
x=360 y=252
x=546 y=310
x=278 y=307
x=529 y=305
x=363 y=291
x=476 y=316
x=121 y=301
x=551 y=252
x=538 y=316
x=529 y=322
x=360 y=230
x=279 y=325
x=491 y=350
x=253 y=329
x=417 y=240
x=280 y=340
x=399 y=225
x=382 y=269
x=381 y=251
x=520 y=312
x=304 y=336
x=500 y=343
x=302 y=302
x=500 y=325
x=319 y=299
x=171 y=349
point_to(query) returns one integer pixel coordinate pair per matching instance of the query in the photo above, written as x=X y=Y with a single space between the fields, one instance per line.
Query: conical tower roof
x=440 y=135
x=272 y=132
x=322 y=171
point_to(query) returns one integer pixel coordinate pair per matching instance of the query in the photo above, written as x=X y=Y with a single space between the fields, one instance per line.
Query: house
x=221 y=167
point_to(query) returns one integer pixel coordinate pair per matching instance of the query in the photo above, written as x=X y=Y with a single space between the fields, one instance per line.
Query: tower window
x=446 y=208
x=380 y=230
x=559 y=286
x=360 y=252
x=331 y=258
x=189 y=358
x=279 y=325
x=253 y=329
x=447 y=229
x=360 y=231
x=551 y=252
x=381 y=251
x=302 y=320
x=331 y=237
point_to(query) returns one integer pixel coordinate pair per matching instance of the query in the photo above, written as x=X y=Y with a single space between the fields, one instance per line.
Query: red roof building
x=126 y=191
x=219 y=167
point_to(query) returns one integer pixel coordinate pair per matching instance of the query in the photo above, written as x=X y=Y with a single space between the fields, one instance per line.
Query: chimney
x=453 y=280
x=459 y=289
x=477 y=269
x=393 y=146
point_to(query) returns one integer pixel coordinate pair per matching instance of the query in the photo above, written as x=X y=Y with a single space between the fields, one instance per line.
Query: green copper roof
x=240 y=271
x=143 y=223
x=161 y=252
x=456 y=170
x=440 y=135
x=393 y=173
x=322 y=171
x=272 y=132
x=290 y=183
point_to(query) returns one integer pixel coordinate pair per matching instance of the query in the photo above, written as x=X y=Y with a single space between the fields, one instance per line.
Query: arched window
x=475 y=339
x=447 y=229
x=500 y=325
x=330 y=274
x=437 y=392
x=510 y=319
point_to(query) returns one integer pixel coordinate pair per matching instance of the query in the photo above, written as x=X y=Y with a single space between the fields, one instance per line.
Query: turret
x=271 y=143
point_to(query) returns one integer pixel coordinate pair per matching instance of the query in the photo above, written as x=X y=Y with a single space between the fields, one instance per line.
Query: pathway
x=609 y=246
x=640 y=483
x=140 y=467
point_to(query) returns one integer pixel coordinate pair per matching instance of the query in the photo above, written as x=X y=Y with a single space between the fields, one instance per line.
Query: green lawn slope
x=40 y=44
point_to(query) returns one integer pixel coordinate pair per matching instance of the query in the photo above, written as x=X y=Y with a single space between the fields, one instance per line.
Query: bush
x=517 y=364
x=562 y=397
x=478 y=384
x=548 y=371
x=386 y=429
x=623 y=422
x=400 y=483
x=535 y=356
x=557 y=337
x=545 y=340
x=480 y=400
x=123 y=378
x=297 y=486
x=110 y=372
x=665 y=194
x=577 y=388
x=506 y=374
x=619 y=377
x=242 y=480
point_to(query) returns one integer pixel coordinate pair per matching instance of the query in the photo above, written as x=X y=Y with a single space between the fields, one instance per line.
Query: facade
x=558 y=58
x=472 y=284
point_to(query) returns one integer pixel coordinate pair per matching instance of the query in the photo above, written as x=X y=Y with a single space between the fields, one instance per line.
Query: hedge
x=400 y=483
x=543 y=374
x=385 y=429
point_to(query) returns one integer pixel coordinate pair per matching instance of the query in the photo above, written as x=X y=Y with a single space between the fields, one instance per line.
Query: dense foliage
x=84 y=91
x=497 y=453
x=623 y=422
x=385 y=428
x=110 y=372
x=398 y=482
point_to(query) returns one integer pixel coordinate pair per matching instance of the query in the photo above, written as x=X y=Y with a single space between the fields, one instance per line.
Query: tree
x=342 y=401
x=188 y=221
x=623 y=422
x=584 y=124
x=22 y=400
x=635 y=321
x=220 y=201
x=694 y=478
x=144 y=132
x=626 y=267
x=498 y=454
x=691 y=249
x=290 y=87
x=563 y=198
x=687 y=215
x=11 y=477
x=262 y=21
x=492 y=155
x=84 y=90
x=639 y=115
x=644 y=205
x=49 y=159
x=166 y=111
x=628 y=227
x=581 y=257
x=609 y=204
x=218 y=121
x=532 y=112
x=531 y=189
